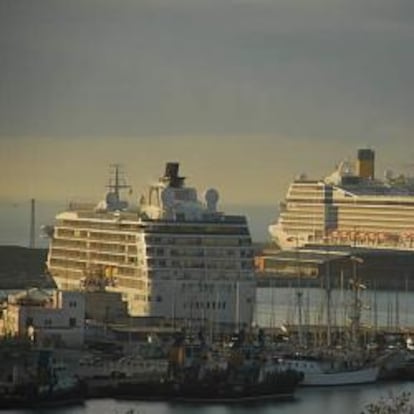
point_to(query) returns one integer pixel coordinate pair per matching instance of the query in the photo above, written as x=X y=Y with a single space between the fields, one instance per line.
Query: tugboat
x=198 y=373
x=246 y=377
x=33 y=379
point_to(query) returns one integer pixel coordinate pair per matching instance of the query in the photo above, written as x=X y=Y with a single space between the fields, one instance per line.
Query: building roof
x=33 y=296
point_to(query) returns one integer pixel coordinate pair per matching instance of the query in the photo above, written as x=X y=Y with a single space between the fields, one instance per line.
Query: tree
x=394 y=404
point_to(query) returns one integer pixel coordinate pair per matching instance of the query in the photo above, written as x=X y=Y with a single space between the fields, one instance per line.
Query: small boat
x=406 y=372
x=102 y=377
x=35 y=379
x=397 y=365
x=330 y=371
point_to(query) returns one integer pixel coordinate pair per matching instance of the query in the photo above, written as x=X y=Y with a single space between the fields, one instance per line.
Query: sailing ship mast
x=299 y=297
x=328 y=304
x=355 y=314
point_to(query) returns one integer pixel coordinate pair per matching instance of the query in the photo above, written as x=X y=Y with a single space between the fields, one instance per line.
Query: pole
x=299 y=295
x=237 y=316
x=32 y=224
x=328 y=305
x=356 y=305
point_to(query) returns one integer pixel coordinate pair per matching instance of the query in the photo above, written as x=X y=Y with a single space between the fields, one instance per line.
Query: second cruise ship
x=174 y=256
x=349 y=207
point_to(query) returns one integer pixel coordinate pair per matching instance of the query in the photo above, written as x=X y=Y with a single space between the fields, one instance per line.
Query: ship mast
x=328 y=303
x=299 y=298
x=356 y=302
x=32 y=223
x=118 y=182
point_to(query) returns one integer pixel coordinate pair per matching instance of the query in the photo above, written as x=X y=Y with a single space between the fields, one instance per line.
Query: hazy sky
x=244 y=93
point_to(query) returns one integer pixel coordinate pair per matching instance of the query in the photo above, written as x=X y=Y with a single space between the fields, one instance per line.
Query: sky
x=245 y=94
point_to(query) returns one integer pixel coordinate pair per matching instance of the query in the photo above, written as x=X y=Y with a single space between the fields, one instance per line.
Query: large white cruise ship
x=173 y=256
x=349 y=207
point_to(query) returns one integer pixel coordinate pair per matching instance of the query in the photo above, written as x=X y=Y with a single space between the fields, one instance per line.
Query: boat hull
x=354 y=377
x=281 y=388
x=28 y=398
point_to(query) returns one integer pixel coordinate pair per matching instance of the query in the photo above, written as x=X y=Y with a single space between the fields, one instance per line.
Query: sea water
x=336 y=400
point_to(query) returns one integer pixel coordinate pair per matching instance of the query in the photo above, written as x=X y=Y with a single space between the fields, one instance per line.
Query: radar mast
x=117 y=182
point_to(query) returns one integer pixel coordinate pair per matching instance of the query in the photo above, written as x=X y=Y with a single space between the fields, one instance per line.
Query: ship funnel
x=366 y=163
x=171 y=175
x=171 y=169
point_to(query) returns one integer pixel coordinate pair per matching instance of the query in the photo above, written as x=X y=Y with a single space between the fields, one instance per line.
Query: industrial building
x=312 y=266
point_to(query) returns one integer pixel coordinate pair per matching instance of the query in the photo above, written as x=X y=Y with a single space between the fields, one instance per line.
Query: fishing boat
x=103 y=378
x=35 y=379
x=332 y=371
x=201 y=374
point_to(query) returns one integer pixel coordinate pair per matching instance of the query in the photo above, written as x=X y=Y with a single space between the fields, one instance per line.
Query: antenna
x=32 y=224
x=118 y=181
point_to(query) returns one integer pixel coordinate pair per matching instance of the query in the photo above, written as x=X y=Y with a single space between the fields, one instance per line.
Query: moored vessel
x=33 y=378
x=200 y=374
x=332 y=371
x=350 y=207
x=174 y=255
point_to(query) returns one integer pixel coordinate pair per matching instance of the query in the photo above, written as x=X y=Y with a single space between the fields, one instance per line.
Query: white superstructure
x=175 y=256
x=349 y=207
